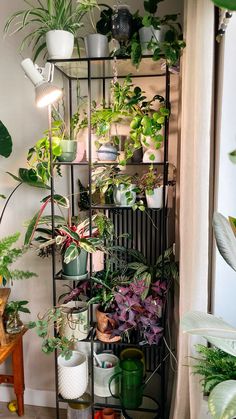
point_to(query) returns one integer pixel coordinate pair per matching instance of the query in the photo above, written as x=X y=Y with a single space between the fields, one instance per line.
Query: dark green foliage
x=5 y=141
x=214 y=366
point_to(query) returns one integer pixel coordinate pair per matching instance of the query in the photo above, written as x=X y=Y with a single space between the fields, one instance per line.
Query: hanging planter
x=121 y=23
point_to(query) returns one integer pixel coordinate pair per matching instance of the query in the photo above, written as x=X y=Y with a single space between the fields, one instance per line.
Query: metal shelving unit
x=145 y=237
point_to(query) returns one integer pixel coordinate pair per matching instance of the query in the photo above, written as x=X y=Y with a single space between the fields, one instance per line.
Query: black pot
x=121 y=24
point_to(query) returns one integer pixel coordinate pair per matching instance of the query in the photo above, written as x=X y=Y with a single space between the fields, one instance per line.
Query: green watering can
x=131 y=384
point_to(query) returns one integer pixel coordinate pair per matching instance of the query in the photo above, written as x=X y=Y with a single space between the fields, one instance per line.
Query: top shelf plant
x=54 y=26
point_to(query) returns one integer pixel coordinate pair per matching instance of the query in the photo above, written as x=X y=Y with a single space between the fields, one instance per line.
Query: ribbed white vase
x=72 y=375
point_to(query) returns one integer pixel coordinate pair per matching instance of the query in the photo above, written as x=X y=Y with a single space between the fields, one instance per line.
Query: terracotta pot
x=104 y=323
x=108 y=414
x=104 y=326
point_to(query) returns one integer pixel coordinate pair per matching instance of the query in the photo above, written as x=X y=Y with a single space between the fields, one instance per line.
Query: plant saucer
x=74 y=277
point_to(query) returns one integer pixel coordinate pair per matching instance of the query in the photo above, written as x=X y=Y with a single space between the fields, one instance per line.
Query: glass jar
x=14 y=324
x=80 y=410
x=121 y=24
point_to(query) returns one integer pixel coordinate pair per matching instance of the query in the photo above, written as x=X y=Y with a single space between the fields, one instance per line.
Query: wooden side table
x=15 y=348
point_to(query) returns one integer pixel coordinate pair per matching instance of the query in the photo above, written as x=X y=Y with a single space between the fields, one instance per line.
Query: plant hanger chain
x=224 y=18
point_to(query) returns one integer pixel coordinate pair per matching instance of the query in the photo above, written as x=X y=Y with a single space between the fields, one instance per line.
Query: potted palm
x=54 y=25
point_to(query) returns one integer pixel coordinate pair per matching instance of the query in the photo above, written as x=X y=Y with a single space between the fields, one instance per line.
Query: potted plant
x=13 y=322
x=116 y=187
x=74 y=312
x=54 y=25
x=147 y=130
x=105 y=283
x=151 y=183
x=72 y=238
x=8 y=255
x=96 y=44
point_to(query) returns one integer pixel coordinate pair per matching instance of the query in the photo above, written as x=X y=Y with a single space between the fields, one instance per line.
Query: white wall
x=26 y=123
x=225 y=277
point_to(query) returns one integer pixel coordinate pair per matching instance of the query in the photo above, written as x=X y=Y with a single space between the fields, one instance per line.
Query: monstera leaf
x=5 y=141
x=222 y=400
x=225 y=239
x=225 y=4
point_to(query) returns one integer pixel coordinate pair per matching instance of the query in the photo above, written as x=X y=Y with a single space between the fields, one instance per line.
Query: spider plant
x=46 y=15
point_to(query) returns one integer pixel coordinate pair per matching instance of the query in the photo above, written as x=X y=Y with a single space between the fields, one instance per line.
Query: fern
x=214 y=366
x=9 y=255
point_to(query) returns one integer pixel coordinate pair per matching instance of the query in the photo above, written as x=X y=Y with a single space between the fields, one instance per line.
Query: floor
x=31 y=412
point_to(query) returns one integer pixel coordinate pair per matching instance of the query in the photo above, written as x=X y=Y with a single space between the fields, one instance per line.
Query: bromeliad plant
x=45 y=15
x=8 y=255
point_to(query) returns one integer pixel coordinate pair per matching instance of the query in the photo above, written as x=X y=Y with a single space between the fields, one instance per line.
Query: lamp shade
x=46 y=94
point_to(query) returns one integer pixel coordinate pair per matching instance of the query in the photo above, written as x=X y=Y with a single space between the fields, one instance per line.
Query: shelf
x=106 y=163
x=117 y=208
x=113 y=403
x=103 y=68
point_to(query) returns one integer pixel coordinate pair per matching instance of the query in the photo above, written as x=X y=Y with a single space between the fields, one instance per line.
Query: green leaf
x=225 y=239
x=216 y=331
x=60 y=200
x=225 y=4
x=5 y=141
x=222 y=400
x=71 y=253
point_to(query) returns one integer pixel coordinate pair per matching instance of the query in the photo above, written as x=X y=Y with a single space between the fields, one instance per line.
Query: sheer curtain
x=195 y=183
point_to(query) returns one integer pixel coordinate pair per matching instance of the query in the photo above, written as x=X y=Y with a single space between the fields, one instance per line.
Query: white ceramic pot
x=146 y=34
x=96 y=45
x=153 y=156
x=74 y=324
x=60 y=44
x=120 y=198
x=156 y=199
x=103 y=375
x=72 y=375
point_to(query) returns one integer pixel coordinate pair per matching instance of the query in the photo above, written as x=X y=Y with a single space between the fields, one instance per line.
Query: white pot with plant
x=53 y=26
x=75 y=320
x=124 y=192
x=96 y=43
x=151 y=183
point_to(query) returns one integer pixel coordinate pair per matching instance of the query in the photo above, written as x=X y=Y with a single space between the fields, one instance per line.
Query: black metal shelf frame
x=139 y=220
